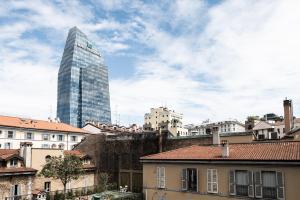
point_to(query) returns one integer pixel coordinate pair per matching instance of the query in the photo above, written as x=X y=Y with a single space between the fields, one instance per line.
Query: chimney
x=288 y=115
x=225 y=149
x=216 y=136
x=25 y=152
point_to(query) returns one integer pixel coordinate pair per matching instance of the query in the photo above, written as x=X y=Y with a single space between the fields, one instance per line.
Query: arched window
x=61 y=146
x=53 y=146
x=47 y=158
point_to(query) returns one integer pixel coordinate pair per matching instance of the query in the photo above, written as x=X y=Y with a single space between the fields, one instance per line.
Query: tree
x=65 y=168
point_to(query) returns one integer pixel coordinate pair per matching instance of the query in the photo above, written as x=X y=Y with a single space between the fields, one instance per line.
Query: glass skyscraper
x=83 y=90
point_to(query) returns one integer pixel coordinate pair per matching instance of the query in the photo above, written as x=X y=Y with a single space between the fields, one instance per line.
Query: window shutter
x=184 y=179
x=280 y=185
x=232 y=182
x=250 y=182
x=12 y=191
x=162 y=177
x=19 y=189
x=215 y=181
x=258 y=186
x=209 y=181
x=158 y=177
x=198 y=179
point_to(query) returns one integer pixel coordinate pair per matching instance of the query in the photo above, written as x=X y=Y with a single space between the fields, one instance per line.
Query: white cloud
x=245 y=60
x=229 y=60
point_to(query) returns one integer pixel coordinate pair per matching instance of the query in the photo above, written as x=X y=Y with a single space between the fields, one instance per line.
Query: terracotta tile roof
x=16 y=170
x=8 y=153
x=277 y=151
x=38 y=124
x=75 y=152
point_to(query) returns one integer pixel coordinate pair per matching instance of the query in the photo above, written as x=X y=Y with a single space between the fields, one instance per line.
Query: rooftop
x=269 y=151
x=38 y=124
x=8 y=153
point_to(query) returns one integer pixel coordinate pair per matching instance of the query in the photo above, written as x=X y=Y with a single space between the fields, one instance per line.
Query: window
x=29 y=136
x=212 y=181
x=61 y=146
x=269 y=189
x=73 y=138
x=13 y=162
x=47 y=186
x=189 y=181
x=15 y=190
x=7 y=145
x=45 y=136
x=60 y=137
x=48 y=158
x=265 y=184
x=241 y=179
x=45 y=146
x=160 y=177
x=86 y=161
x=10 y=134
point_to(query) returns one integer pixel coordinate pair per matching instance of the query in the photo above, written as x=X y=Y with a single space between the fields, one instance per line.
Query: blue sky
x=206 y=59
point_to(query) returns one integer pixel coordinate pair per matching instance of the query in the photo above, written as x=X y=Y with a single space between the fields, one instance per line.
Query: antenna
x=116 y=114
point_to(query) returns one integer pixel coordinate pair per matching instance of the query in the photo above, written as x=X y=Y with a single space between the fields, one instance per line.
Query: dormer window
x=86 y=161
x=13 y=163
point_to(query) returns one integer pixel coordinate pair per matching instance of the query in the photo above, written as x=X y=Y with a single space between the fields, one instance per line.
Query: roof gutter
x=226 y=162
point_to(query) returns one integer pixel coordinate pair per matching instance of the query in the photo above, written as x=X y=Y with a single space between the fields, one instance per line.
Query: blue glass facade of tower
x=83 y=90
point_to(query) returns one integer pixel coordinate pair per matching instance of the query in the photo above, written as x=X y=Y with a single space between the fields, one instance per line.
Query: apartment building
x=20 y=167
x=42 y=134
x=108 y=129
x=224 y=127
x=166 y=120
x=228 y=171
x=270 y=129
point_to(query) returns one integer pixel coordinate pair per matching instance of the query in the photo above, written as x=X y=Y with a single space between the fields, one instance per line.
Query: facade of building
x=224 y=127
x=15 y=177
x=83 y=89
x=165 y=119
x=234 y=171
x=42 y=134
x=20 y=167
x=100 y=128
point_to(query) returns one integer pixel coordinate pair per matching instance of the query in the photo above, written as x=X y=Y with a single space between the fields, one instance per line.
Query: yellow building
x=236 y=171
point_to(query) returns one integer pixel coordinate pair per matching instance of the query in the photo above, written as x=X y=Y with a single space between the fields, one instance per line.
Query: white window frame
x=13 y=134
x=62 y=138
x=45 y=134
x=13 y=162
x=212 y=180
x=31 y=138
x=161 y=177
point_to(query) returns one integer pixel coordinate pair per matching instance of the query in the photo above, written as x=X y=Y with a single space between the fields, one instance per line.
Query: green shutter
x=232 y=182
x=250 y=184
x=280 y=185
x=258 y=184
x=184 y=179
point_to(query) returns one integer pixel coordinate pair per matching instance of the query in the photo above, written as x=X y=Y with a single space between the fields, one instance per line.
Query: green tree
x=65 y=168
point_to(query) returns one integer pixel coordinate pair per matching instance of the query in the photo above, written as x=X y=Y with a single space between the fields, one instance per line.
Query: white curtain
x=241 y=177
x=269 y=179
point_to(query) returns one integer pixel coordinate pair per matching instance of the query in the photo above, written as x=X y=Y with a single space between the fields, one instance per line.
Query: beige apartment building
x=20 y=167
x=268 y=170
x=166 y=120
